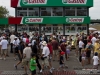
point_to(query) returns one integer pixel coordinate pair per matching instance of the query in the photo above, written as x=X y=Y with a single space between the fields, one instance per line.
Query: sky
x=94 y=11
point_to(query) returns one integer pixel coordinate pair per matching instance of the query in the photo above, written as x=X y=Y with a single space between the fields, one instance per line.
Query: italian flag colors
x=49 y=20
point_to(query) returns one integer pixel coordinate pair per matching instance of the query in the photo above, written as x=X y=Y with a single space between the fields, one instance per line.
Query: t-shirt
x=32 y=64
x=15 y=43
x=21 y=48
x=63 y=48
x=24 y=40
x=46 y=51
x=81 y=44
x=28 y=52
x=95 y=62
x=41 y=45
x=27 y=41
x=12 y=37
x=55 y=45
x=50 y=48
x=33 y=42
x=93 y=40
x=4 y=44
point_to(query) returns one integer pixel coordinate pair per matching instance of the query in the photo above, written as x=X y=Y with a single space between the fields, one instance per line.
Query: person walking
x=20 y=53
x=4 y=47
x=33 y=64
x=45 y=56
x=26 y=57
x=12 y=37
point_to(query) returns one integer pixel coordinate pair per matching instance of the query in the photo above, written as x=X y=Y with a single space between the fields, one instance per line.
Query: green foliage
x=4 y=13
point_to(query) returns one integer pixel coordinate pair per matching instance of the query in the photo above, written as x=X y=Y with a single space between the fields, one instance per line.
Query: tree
x=4 y=13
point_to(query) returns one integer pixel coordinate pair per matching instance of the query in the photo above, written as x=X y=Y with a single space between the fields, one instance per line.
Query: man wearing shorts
x=4 y=47
x=45 y=56
x=26 y=57
x=20 y=53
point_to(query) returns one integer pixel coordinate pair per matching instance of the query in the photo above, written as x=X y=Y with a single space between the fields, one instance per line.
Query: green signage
x=23 y=3
x=55 y=20
x=3 y=21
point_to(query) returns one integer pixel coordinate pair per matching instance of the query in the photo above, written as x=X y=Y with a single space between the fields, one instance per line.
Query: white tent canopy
x=92 y=28
x=96 y=32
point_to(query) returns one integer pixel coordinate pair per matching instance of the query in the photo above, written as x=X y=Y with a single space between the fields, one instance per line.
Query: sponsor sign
x=75 y=20
x=33 y=20
x=51 y=3
x=74 y=1
x=55 y=20
x=30 y=2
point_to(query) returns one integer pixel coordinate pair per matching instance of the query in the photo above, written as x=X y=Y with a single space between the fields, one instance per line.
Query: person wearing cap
x=61 y=62
x=11 y=41
x=45 y=56
x=4 y=47
x=15 y=46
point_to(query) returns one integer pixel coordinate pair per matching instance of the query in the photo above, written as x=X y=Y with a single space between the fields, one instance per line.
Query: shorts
x=67 y=51
x=3 y=51
x=33 y=72
x=55 y=52
x=50 y=58
x=20 y=58
x=16 y=50
x=95 y=66
x=80 y=50
x=83 y=58
x=45 y=61
x=25 y=62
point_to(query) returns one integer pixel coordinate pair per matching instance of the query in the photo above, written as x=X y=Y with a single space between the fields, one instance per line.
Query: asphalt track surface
x=74 y=67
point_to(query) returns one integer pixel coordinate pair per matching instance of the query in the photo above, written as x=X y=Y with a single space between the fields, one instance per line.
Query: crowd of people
x=30 y=48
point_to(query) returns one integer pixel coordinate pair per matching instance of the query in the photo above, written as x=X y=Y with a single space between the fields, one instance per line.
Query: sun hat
x=44 y=43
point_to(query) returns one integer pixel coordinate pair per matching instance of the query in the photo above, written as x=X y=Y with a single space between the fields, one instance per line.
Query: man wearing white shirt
x=12 y=37
x=4 y=47
x=93 y=40
x=15 y=46
x=81 y=45
x=33 y=41
x=45 y=56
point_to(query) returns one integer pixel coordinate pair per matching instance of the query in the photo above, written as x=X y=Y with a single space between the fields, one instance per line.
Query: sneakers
x=50 y=71
x=2 y=58
x=40 y=70
x=53 y=68
x=15 y=67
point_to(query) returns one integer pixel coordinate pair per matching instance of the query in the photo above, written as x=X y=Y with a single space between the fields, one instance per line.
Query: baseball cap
x=62 y=53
